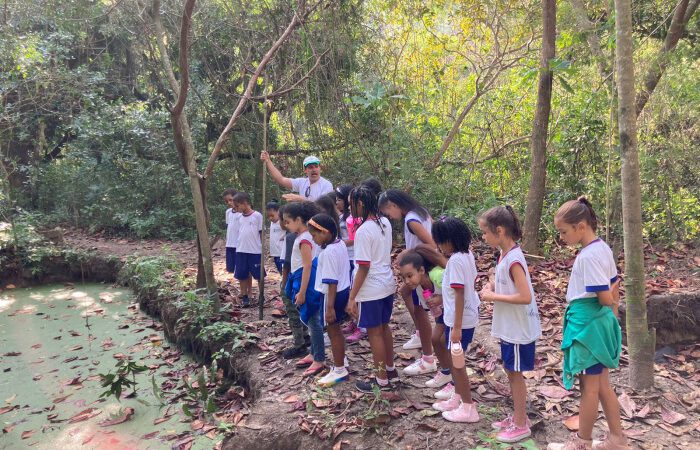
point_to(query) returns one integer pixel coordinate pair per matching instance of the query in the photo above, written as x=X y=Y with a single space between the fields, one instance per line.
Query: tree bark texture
x=640 y=340
x=540 y=127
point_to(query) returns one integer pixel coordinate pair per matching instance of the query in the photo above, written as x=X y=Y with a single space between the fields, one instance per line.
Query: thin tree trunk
x=640 y=340
x=540 y=127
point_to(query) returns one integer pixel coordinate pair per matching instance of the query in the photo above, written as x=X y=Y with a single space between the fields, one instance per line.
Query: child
x=516 y=321
x=398 y=205
x=249 y=248
x=461 y=311
x=333 y=281
x=299 y=347
x=302 y=278
x=373 y=288
x=422 y=269
x=276 y=233
x=591 y=340
x=232 y=226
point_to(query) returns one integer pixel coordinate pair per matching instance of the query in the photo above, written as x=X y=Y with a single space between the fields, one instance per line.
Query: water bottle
x=457 y=355
x=436 y=311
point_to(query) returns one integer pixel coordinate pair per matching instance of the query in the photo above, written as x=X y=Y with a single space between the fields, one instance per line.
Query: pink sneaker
x=446 y=392
x=505 y=423
x=465 y=413
x=355 y=337
x=513 y=433
x=448 y=405
x=349 y=328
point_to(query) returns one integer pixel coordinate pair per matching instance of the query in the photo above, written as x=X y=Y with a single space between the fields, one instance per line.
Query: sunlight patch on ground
x=6 y=302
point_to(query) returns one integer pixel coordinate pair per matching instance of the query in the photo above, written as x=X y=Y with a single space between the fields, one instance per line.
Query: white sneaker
x=333 y=377
x=420 y=367
x=439 y=380
x=413 y=343
x=346 y=362
x=446 y=392
x=326 y=340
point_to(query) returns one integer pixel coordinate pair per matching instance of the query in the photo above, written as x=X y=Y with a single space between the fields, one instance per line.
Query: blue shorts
x=518 y=357
x=439 y=320
x=373 y=313
x=341 y=302
x=278 y=264
x=465 y=340
x=416 y=300
x=230 y=259
x=247 y=264
x=595 y=369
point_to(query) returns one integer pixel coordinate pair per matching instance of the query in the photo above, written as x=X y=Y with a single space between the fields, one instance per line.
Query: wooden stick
x=261 y=283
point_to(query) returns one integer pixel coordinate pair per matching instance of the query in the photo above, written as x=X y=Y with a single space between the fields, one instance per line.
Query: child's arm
x=285 y=275
x=306 y=261
x=349 y=242
x=434 y=301
x=456 y=332
x=275 y=173
x=330 y=303
x=422 y=234
x=522 y=297
x=360 y=277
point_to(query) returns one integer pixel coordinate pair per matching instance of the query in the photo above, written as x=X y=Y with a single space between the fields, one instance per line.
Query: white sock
x=390 y=368
x=429 y=358
x=340 y=370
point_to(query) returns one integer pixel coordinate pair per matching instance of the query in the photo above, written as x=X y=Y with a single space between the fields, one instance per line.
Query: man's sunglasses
x=307 y=193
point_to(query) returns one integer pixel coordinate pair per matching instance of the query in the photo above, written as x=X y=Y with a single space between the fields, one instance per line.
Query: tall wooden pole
x=261 y=284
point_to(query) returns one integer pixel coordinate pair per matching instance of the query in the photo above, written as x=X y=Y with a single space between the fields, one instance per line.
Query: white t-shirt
x=373 y=248
x=517 y=324
x=249 y=233
x=318 y=189
x=304 y=238
x=333 y=267
x=460 y=273
x=276 y=239
x=411 y=239
x=345 y=235
x=232 y=227
x=594 y=271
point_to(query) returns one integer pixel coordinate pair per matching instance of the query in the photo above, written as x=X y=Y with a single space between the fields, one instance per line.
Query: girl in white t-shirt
x=460 y=311
x=301 y=282
x=333 y=281
x=277 y=234
x=372 y=294
x=591 y=339
x=417 y=224
x=516 y=321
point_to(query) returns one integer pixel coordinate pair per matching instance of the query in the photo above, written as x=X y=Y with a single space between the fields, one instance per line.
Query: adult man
x=307 y=188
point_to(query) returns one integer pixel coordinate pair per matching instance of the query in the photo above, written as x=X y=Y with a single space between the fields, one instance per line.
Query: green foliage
x=148 y=271
x=233 y=332
x=123 y=378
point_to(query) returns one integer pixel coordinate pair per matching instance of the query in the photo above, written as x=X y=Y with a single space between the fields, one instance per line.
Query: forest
x=124 y=121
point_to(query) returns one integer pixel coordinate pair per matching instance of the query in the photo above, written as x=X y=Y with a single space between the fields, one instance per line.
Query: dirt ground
x=290 y=412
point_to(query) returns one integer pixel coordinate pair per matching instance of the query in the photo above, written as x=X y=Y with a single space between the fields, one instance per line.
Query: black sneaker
x=295 y=352
x=368 y=386
x=393 y=376
x=245 y=301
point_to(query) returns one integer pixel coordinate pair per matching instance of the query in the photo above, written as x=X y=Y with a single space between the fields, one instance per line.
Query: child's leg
x=519 y=393
x=388 y=345
x=244 y=283
x=405 y=292
x=294 y=322
x=337 y=344
x=422 y=322
x=588 y=409
x=377 y=338
x=318 y=349
x=249 y=286
x=438 y=340
x=611 y=405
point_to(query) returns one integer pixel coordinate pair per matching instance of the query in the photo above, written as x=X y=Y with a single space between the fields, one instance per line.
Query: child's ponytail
x=576 y=211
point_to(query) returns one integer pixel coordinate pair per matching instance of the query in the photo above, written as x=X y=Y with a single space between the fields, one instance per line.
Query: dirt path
x=302 y=415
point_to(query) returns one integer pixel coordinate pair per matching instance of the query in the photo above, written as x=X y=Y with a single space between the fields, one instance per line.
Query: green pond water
x=54 y=341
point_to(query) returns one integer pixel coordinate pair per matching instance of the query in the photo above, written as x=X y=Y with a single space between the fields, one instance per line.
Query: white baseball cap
x=311 y=160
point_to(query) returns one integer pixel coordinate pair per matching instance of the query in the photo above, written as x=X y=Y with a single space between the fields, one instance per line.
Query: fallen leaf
x=646 y=409
x=571 y=423
x=126 y=415
x=84 y=415
x=12 y=354
x=627 y=405
x=291 y=398
x=6 y=409
x=11 y=399
x=671 y=417
x=61 y=399
x=27 y=434
x=554 y=392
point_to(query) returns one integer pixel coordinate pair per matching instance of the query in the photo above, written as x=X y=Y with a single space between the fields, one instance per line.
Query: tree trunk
x=540 y=126
x=640 y=340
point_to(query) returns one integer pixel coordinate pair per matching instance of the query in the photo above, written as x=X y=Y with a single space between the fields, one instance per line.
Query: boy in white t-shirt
x=249 y=245
x=232 y=217
x=516 y=321
x=277 y=234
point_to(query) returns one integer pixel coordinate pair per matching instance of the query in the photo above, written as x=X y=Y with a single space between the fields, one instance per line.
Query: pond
x=55 y=340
